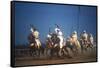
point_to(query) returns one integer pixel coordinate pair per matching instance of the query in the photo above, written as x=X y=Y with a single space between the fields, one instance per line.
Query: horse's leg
x=41 y=51
x=52 y=52
x=60 y=52
x=35 y=51
x=65 y=51
x=45 y=52
x=38 y=52
x=74 y=50
x=31 y=51
x=69 y=52
x=49 y=52
x=81 y=47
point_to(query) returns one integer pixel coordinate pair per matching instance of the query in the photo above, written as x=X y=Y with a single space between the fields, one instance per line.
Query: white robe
x=85 y=35
x=60 y=36
x=36 y=34
x=91 y=40
x=56 y=30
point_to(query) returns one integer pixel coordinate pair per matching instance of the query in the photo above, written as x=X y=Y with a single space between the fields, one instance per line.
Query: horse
x=32 y=43
x=48 y=48
x=86 y=43
x=73 y=47
x=52 y=45
x=55 y=46
x=35 y=45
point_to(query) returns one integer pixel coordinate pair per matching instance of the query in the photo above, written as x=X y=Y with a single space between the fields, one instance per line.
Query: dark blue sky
x=43 y=16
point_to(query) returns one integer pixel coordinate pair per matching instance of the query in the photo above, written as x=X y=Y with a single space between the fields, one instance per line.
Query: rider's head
x=75 y=32
x=84 y=31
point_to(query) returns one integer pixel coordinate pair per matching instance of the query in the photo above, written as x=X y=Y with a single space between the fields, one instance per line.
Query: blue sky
x=43 y=16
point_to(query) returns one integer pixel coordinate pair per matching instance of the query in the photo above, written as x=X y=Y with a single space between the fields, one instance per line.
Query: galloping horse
x=86 y=42
x=73 y=43
x=49 y=45
x=55 y=44
x=32 y=43
x=73 y=47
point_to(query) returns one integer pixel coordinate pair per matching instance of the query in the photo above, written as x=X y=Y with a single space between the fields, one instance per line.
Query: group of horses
x=52 y=47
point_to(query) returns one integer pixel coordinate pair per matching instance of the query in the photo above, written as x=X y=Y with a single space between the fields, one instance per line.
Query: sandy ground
x=86 y=57
x=53 y=61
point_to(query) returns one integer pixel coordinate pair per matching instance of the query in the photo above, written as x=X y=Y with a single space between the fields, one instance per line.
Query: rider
x=91 y=40
x=49 y=38
x=74 y=36
x=59 y=35
x=58 y=30
x=35 y=33
x=84 y=37
x=74 y=39
x=69 y=42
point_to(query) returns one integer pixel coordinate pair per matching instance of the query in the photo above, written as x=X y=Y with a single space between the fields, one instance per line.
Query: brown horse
x=49 y=46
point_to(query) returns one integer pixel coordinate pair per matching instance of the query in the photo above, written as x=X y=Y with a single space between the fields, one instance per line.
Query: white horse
x=37 y=43
x=60 y=36
x=75 y=42
x=84 y=40
x=61 y=43
x=91 y=40
x=36 y=35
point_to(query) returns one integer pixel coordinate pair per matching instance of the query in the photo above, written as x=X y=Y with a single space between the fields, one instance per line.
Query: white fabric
x=56 y=30
x=91 y=40
x=36 y=34
x=38 y=42
x=60 y=33
x=75 y=32
x=31 y=30
x=32 y=44
x=49 y=36
x=85 y=35
x=61 y=41
x=60 y=36
x=74 y=37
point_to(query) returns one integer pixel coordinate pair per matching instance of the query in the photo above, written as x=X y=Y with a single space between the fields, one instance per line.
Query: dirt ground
x=83 y=57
